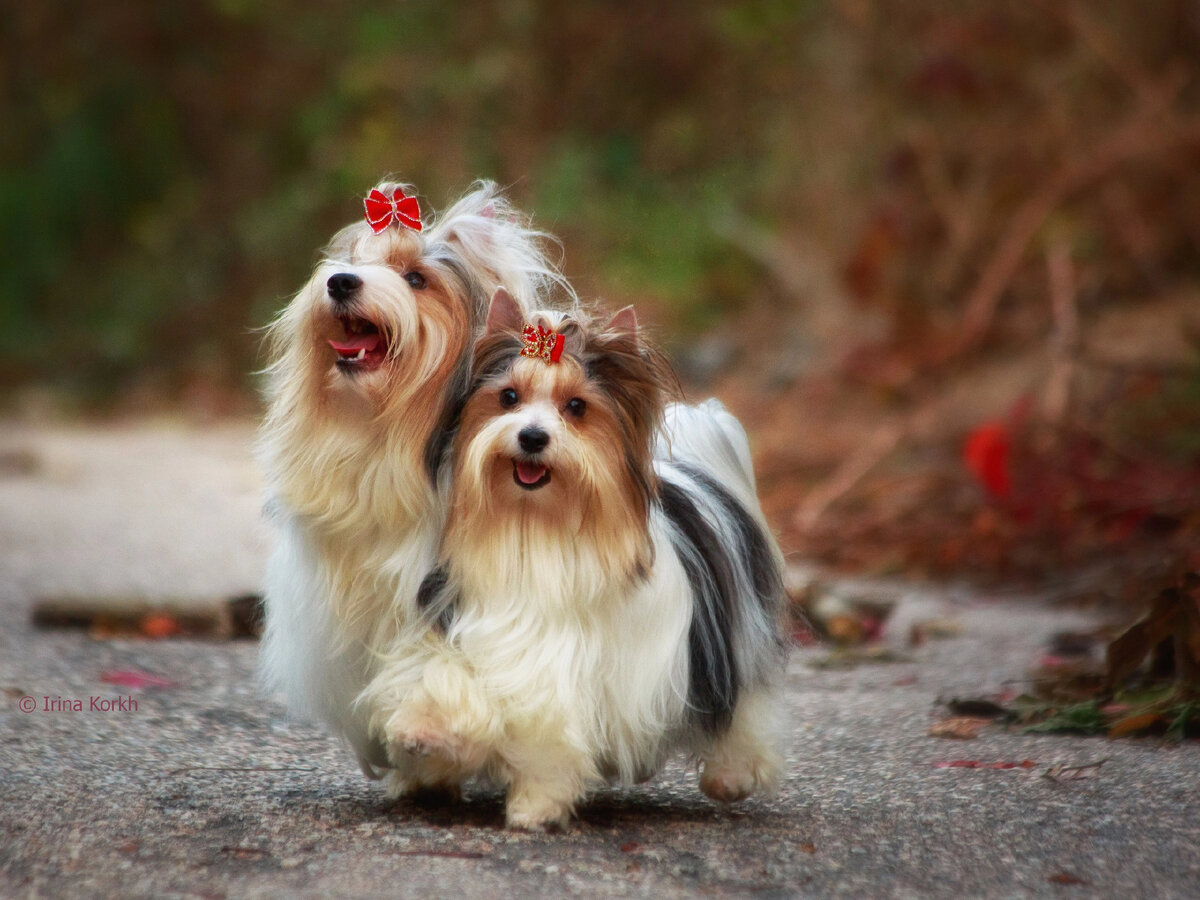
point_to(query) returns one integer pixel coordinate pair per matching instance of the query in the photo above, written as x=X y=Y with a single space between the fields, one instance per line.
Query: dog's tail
x=709 y=436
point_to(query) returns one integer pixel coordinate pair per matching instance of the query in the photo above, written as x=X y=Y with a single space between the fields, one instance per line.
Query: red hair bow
x=542 y=344
x=382 y=210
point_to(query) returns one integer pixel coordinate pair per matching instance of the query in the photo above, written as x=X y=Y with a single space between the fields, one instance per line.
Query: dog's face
x=384 y=314
x=563 y=444
x=540 y=434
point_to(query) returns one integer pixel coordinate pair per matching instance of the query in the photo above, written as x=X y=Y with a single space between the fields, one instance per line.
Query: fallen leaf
x=159 y=625
x=1176 y=612
x=631 y=847
x=807 y=848
x=1065 y=878
x=845 y=630
x=133 y=679
x=958 y=727
x=1133 y=724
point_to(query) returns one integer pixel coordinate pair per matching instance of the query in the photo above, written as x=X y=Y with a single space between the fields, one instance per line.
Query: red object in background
x=987 y=452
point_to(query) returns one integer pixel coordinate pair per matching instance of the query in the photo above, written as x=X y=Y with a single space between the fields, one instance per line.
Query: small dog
x=369 y=363
x=608 y=592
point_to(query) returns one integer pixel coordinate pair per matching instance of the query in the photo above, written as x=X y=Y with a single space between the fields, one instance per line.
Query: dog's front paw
x=534 y=812
x=422 y=733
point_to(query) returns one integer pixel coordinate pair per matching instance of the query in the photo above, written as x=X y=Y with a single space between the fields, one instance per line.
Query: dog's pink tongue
x=530 y=473
x=356 y=342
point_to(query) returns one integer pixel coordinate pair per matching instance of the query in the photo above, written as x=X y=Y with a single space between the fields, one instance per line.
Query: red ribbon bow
x=382 y=210
x=542 y=344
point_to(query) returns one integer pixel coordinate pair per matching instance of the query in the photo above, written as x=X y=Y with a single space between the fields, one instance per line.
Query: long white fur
x=555 y=674
x=357 y=513
x=708 y=438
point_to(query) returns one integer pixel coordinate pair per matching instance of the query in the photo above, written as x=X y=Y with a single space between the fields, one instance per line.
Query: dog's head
x=374 y=351
x=559 y=426
x=392 y=308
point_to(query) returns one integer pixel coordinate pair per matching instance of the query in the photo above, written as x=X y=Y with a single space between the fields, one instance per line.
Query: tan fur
x=566 y=660
x=347 y=451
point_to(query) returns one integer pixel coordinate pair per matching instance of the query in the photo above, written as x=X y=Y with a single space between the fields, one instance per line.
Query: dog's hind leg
x=744 y=759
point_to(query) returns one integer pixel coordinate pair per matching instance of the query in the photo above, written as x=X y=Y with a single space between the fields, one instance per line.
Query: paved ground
x=207 y=789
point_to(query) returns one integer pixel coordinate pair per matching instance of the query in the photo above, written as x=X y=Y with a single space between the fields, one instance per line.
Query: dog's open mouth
x=364 y=346
x=530 y=475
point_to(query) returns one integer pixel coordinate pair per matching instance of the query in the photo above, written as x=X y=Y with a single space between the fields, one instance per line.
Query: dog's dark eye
x=415 y=280
x=577 y=406
x=508 y=398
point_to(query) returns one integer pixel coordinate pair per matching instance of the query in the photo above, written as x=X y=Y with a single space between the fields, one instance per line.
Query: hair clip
x=382 y=210
x=542 y=344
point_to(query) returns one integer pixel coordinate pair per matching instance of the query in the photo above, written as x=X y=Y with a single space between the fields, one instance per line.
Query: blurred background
x=942 y=257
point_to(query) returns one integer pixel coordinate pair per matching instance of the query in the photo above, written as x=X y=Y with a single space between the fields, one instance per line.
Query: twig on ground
x=1073 y=773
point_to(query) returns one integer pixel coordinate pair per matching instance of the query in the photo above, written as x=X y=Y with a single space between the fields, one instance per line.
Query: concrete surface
x=208 y=789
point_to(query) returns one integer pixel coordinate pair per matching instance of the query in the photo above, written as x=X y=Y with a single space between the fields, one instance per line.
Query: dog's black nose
x=342 y=286
x=533 y=440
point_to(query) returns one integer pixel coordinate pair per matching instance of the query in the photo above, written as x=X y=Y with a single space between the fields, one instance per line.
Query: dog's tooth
x=362 y=351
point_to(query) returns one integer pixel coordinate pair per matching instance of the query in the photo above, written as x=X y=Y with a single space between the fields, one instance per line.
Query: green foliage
x=1184 y=720
x=1171 y=710
x=1080 y=718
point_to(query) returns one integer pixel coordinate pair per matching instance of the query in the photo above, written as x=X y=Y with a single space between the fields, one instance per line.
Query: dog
x=608 y=592
x=368 y=367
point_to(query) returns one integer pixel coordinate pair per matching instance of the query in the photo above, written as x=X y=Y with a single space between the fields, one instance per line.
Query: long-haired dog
x=608 y=592
x=368 y=366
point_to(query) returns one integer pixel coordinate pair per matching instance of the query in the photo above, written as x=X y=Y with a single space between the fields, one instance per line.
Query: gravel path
x=207 y=788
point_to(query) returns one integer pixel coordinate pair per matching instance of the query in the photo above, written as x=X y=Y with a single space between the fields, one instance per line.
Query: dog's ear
x=624 y=325
x=504 y=313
